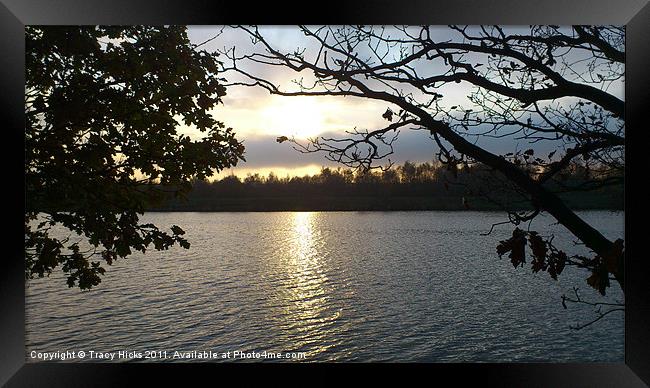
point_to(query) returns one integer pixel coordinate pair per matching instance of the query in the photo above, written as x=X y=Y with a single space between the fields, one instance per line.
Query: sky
x=258 y=117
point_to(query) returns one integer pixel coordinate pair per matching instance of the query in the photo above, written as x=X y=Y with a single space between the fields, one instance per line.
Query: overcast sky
x=258 y=117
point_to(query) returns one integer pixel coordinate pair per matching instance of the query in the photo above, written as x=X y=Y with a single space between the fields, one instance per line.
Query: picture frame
x=15 y=14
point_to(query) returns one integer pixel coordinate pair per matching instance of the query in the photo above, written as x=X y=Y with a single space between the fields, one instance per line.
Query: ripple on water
x=403 y=286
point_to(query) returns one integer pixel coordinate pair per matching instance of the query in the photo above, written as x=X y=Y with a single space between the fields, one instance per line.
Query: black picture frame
x=15 y=14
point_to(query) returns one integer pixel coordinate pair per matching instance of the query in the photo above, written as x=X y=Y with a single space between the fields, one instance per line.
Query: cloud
x=264 y=151
x=259 y=117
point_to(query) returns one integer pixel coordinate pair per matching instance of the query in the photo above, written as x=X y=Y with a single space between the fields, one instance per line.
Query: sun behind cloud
x=301 y=117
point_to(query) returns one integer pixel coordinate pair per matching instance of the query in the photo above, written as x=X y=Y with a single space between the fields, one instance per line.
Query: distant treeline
x=426 y=186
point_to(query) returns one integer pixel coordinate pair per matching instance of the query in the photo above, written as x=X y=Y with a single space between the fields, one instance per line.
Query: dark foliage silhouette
x=102 y=105
x=410 y=186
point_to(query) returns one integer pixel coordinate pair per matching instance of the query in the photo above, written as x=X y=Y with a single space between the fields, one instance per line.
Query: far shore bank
x=326 y=203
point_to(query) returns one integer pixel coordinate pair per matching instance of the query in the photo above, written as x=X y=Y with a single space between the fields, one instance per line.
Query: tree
x=408 y=171
x=542 y=84
x=102 y=107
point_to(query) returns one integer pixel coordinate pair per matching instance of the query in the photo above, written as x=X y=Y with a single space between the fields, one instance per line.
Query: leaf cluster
x=103 y=105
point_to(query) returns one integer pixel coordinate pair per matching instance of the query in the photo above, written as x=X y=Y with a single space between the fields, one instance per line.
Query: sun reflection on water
x=308 y=298
x=307 y=279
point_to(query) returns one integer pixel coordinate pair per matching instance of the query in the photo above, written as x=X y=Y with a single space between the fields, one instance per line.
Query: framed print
x=369 y=187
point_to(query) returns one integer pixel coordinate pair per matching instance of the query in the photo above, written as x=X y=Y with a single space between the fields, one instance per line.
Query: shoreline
x=334 y=210
x=371 y=204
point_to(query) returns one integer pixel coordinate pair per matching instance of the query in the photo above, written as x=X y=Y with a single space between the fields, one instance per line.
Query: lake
x=334 y=286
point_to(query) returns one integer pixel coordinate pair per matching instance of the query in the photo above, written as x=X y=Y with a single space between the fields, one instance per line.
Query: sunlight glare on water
x=338 y=286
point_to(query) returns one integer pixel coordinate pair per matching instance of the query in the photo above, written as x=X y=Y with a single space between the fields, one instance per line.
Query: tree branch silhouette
x=550 y=84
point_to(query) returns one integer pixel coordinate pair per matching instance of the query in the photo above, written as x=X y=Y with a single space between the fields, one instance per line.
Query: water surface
x=338 y=286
